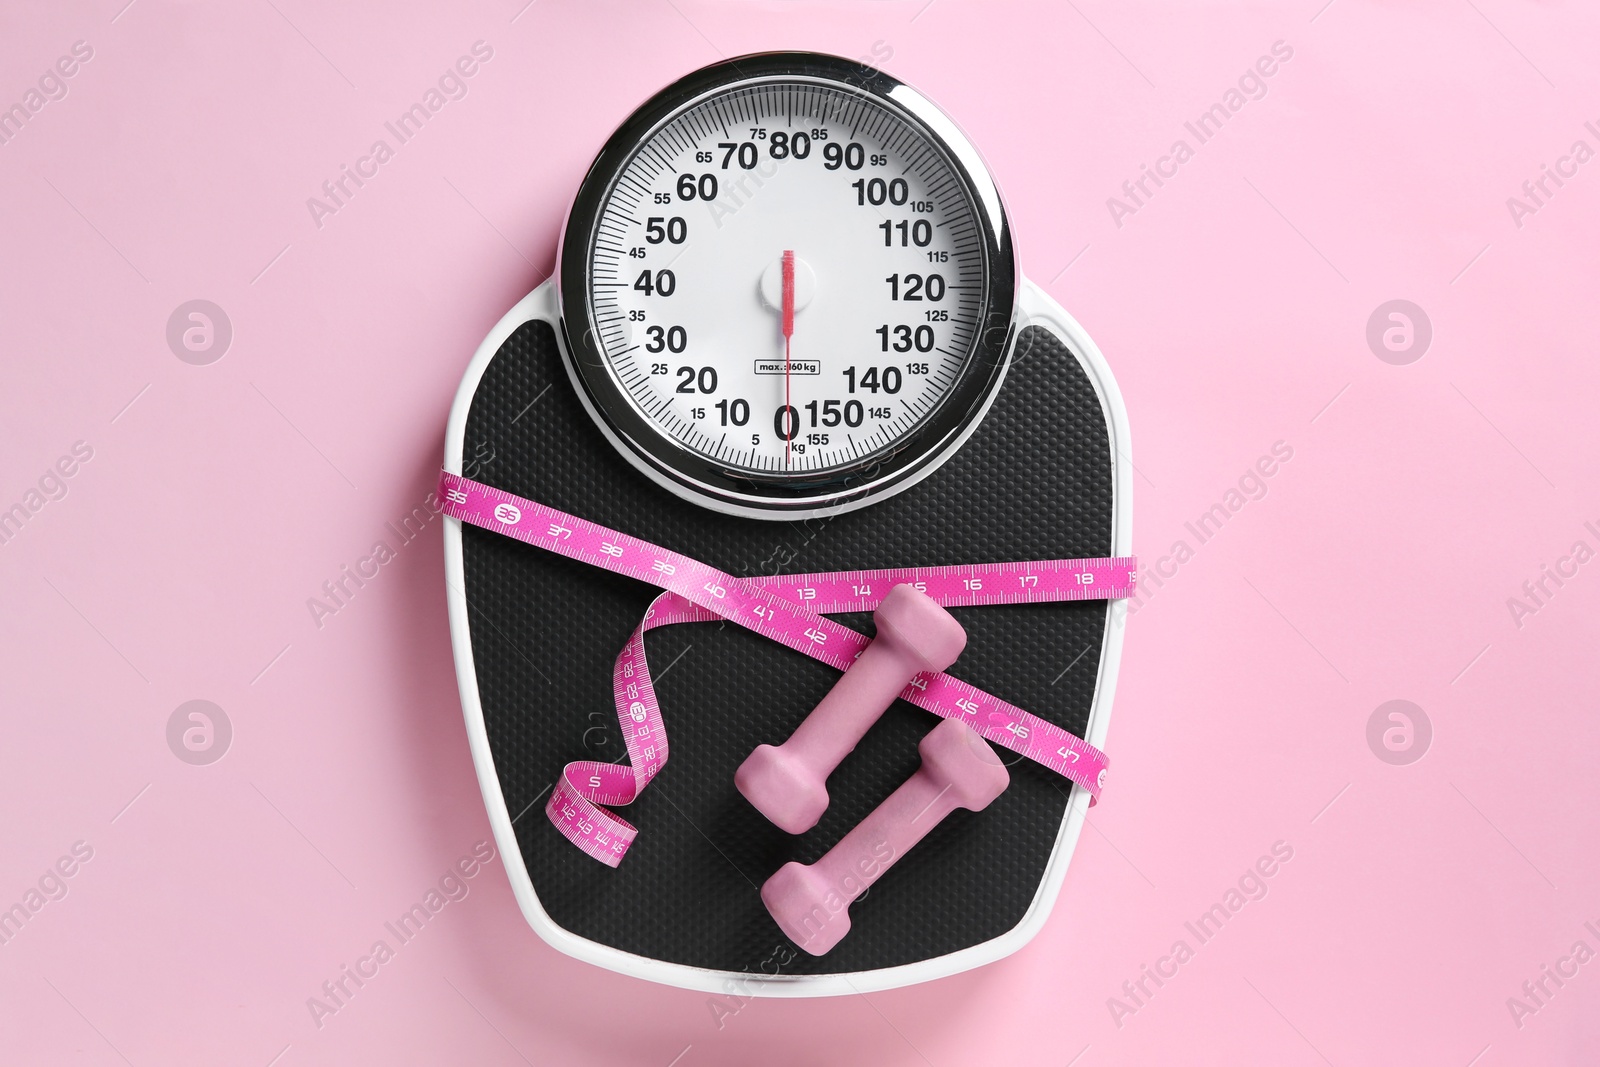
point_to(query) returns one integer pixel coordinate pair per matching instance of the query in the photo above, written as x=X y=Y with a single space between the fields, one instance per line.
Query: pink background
x=1232 y=307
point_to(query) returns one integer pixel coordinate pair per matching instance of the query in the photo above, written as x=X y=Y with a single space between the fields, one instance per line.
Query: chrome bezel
x=695 y=476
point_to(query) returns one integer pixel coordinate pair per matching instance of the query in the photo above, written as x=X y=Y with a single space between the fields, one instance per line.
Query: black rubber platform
x=1034 y=482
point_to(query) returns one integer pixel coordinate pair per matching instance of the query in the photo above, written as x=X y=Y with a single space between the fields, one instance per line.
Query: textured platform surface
x=1034 y=482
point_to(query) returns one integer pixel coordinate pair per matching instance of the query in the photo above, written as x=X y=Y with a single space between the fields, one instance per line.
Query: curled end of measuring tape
x=574 y=809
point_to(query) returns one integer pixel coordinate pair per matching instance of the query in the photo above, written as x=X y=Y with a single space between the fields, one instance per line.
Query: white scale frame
x=1034 y=308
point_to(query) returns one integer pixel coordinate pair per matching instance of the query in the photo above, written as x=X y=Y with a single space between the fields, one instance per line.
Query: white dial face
x=787 y=277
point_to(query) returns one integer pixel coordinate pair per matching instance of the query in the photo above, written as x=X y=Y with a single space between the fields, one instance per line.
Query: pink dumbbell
x=787 y=783
x=811 y=903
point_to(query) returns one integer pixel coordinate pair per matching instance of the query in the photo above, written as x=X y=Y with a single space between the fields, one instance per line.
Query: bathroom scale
x=787 y=362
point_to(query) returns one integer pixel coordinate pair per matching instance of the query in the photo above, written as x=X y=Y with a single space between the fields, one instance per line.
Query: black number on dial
x=705 y=379
x=850 y=156
x=915 y=287
x=662 y=283
x=747 y=153
x=851 y=414
x=784 y=146
x=675 y=230
x=675 y=339
x=919 y=232
x=871 y=379
x=876 y=191
x=706 y=187
x=905 y=338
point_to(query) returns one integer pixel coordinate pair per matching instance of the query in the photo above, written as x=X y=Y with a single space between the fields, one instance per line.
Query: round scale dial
x=787 y=286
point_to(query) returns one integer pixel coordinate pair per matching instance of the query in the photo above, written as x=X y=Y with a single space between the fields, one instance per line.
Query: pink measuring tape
x=789 y=609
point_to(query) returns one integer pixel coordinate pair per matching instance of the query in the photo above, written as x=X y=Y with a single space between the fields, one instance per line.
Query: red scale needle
x=788 y=335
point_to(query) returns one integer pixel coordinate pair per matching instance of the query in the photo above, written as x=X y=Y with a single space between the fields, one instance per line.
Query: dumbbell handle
x=880 y=839
x=843 y=717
